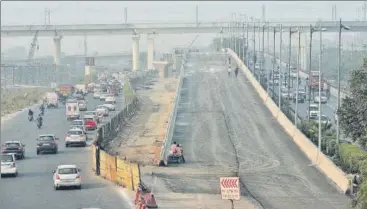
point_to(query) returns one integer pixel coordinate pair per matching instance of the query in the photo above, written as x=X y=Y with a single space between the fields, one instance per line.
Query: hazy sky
x=74 y=12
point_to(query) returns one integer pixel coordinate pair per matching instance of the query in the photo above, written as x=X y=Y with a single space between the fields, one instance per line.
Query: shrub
x=351 y=156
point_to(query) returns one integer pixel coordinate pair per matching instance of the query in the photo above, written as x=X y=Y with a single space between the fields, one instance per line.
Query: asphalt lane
x=224 y=129
x=327 y=109
x=33 y=188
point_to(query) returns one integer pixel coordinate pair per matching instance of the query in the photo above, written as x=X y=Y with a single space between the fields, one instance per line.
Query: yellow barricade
x=123 y=175
x=135 y=173
x=111 y=168
x=93 y=156
x=103 y=165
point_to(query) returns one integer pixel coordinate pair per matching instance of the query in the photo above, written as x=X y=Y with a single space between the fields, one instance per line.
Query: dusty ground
x=15 y=99
x=141 y=139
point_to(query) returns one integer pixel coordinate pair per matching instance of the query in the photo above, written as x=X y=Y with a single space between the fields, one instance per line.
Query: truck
x=66 y=89
x=90 y=88
x=52 y=100
x=81 y=88
x=72 y=109
x=314 y=80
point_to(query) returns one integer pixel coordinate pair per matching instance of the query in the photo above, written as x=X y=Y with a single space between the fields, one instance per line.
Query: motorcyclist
x=42 y=108
x=174 y=148
x=39 y=119
x=30 y=112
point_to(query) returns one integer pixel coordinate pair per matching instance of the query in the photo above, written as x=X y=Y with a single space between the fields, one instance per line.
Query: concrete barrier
x=323 y=163
x=172 y=119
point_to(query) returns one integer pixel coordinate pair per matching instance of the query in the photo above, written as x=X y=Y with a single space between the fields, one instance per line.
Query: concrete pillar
x=150 y=52
x=57 y=45
x=136 y=53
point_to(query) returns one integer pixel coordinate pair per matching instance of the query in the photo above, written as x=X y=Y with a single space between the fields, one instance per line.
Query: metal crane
x=34 y=46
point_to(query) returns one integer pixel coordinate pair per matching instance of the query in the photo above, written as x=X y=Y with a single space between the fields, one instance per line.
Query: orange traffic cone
x=150 y=201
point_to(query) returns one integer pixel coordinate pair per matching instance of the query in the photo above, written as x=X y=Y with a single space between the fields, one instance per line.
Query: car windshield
x=75 y=132
x=6 y=158
x=77 y=122
x=67 y=171
x=81 y=102
x=12 y=144
x=46 y=138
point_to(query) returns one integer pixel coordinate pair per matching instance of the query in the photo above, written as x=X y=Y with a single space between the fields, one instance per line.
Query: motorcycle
x=30 y=117
x=39 y=124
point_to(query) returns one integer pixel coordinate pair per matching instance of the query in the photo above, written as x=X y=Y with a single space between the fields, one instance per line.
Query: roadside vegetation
x=15 y=99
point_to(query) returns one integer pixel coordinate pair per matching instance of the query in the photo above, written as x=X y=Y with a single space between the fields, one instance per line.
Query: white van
x=72 y=109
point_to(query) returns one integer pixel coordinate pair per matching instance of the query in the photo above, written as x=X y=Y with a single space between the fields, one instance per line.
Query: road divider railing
x=110 y=166
x=321 y=161
x=163 y=159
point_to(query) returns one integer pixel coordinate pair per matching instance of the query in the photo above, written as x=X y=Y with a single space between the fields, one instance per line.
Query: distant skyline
x=73 y=12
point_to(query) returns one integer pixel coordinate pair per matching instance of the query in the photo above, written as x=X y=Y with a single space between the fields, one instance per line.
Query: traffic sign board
x=230 y=188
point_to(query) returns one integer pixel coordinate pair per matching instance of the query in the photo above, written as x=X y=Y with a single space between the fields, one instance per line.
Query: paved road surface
x=328 y=109
x=33 y=188
x=225 y=129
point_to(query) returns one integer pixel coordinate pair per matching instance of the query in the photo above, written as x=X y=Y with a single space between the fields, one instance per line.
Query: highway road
x=33 y=188
x=327 y=109
x=225 y=129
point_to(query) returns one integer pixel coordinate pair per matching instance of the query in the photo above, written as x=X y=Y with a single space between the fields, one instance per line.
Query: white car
x=96 y=95
x=102 y=110
x=67 y=176
x=93 y=114
x=294 y=74
x=103 y=97
x=314 y=111
x=76 y=137
x=110 y=99
x=8 y=165
x=110 y=107
x=323 y=98
x=78 y=123
x=82 y=127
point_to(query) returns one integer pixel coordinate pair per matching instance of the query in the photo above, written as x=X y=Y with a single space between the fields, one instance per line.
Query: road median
x=322 y=162
x=107 y=163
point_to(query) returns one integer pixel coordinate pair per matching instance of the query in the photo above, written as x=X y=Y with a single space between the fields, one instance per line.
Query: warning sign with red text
x=230 y=188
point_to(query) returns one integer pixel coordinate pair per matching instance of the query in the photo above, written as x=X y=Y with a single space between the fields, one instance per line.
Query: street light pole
x=247 y=46
x=309 y=73
x=341 y=26
x=280 y=67
x=320 y=65
x=289 y=61
x=262 y=58
x=297 y=82
x=274 y=60
x=254 y=57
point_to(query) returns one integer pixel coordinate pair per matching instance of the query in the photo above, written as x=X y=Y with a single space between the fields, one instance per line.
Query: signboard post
x=230 y=189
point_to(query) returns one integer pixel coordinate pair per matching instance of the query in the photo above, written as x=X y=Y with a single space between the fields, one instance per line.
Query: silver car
x=67 y=176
